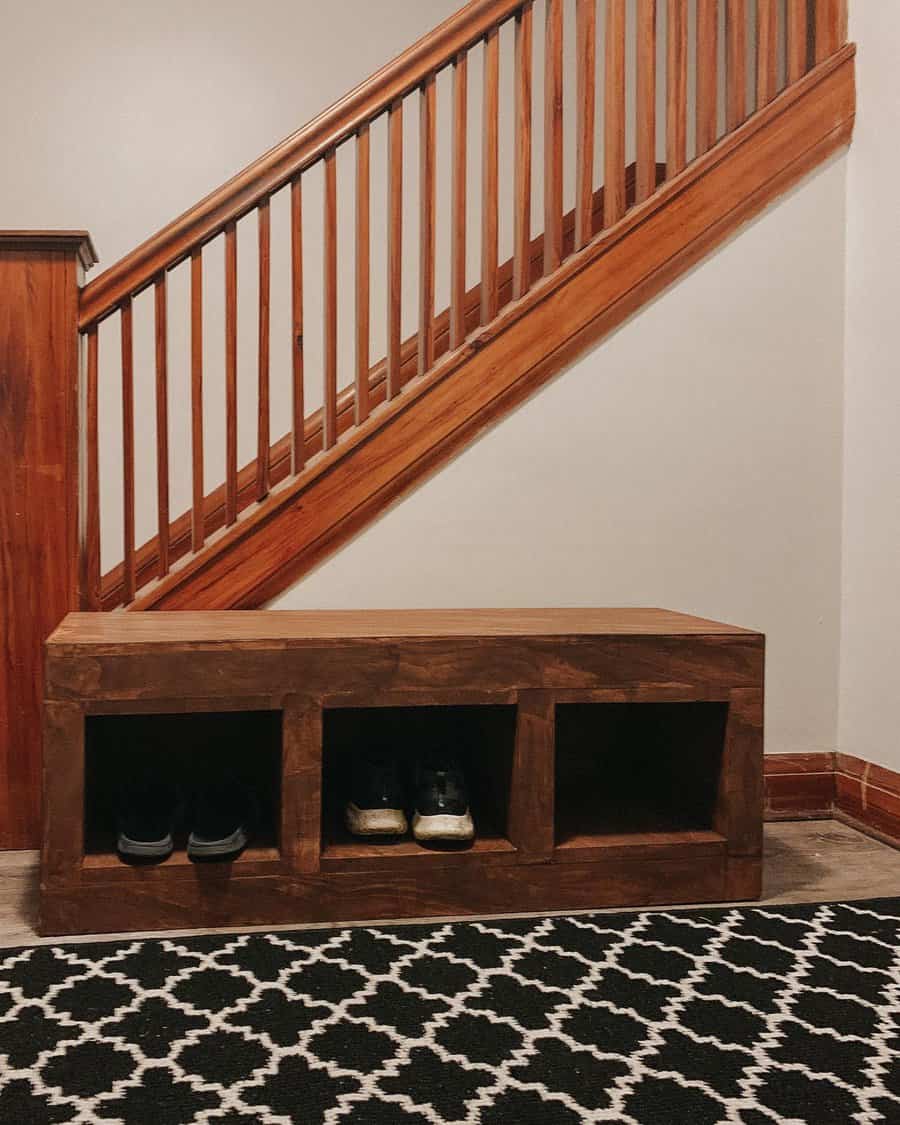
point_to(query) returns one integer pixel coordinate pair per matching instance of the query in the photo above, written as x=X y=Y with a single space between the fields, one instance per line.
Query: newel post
x=40 y=275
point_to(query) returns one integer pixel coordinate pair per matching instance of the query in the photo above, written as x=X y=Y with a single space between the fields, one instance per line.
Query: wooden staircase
x=785 y=101
x=686 y=120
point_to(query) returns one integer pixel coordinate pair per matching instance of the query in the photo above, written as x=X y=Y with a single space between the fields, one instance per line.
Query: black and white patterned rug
x=785 y=1014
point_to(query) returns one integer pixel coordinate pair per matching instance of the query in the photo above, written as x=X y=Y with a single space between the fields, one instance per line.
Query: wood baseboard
x=826 y=785
x=799 y=786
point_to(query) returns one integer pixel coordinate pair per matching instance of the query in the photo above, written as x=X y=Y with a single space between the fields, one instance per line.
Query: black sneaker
x=442 y=801
x=375 y=807
x=146 y=812
x=223 y=813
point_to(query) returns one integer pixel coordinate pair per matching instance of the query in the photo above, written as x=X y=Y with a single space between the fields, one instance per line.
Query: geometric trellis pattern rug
x=787 y=1014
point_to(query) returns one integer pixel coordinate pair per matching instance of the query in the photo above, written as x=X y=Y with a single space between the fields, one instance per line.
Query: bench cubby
x=614 y=758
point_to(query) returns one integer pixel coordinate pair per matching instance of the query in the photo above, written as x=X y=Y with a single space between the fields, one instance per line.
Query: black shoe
x=146 y=812
x=375 y=807
x=223 y=814
x=442 y=801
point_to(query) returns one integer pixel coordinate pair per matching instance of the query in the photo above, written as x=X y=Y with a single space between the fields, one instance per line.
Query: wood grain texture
x=614 y=114
x=553 y=135
x=301 y=784
x=707 y=74
x=524 y=56
x=394 y=247
x=184 y=629
x=531 y=802
x=162 y=663
x=276 y=900
x=282 y=164
x=161 y=331
x=735 y=63
x=197 y=530
x=585 y=85
x=264 y=342
x=739 y=812
x=676 y=87
x=798 y=38
x=799 y=786
x=231 y=404
x=78 y=241
x=646 y=100
x=831 y=27
x=805 y=862
x=62 y=839
x=330 y=303
x=490 y=128
x=766 y=51
x=530 y=340
x=868 y=796
x=298 y=445
x=127 y=346
x=363 y=274
x=458 y=219
x=39 y=489
x=427 y=158
x=90 y=536
x=821 y=786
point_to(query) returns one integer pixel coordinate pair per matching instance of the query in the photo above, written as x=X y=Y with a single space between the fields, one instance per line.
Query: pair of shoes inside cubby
x=218 y=816
x=434 y=788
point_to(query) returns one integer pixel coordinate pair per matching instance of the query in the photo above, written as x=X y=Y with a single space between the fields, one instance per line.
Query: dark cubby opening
x=482 y=737
x=186 y=750
x=627 y=768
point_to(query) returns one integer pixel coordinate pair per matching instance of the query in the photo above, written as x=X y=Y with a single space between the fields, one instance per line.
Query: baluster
x=646 y=100
x=489 y=177
x=329 y=429
x=263 y=440
x=676 y=98
x=585 y=79
x=831 y=27
x=298 y=442
x=394 y=245
x=198 y=532
x=162 y=423
x=614 y=176
x=766 y=51
x=553 y=138
x=127 y=453
x=522 y=175
x=91 y=547
x=797 y=39
x=736 y=63
x=427 y=140
x=458 y=203
x=707 y=74
x=230 y=374
x=363 y=269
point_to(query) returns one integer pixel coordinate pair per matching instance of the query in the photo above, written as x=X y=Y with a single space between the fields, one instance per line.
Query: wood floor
x=806 y=861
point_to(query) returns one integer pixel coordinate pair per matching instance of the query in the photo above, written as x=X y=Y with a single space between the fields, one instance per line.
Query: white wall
x=692 y=461
x=870 y=660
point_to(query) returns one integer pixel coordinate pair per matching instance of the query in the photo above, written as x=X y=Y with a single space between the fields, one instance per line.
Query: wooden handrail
x=272 y=171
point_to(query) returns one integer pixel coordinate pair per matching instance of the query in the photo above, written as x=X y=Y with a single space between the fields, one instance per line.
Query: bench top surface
x=236 y=627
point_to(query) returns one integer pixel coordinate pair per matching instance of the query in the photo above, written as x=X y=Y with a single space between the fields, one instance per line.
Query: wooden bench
x=614 y=758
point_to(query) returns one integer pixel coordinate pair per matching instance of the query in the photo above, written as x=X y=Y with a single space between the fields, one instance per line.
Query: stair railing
x=762 y=54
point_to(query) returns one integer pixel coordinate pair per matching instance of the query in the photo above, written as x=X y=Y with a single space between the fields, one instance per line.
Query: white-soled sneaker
x=442 y=809
x=375 y=805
